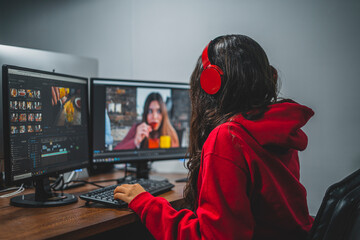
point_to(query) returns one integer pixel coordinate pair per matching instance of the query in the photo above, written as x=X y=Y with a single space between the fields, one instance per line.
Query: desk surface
x=74 y=221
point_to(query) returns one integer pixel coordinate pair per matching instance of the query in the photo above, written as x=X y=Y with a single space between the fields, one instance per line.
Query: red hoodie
x=248 y=185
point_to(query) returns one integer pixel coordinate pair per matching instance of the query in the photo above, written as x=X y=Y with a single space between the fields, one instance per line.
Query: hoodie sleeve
x=223 y=213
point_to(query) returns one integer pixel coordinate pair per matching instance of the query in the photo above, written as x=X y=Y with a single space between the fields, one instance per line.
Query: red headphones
x=210 y=78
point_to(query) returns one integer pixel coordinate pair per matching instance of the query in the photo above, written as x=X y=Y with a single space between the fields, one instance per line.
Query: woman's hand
x=127 y=192
x=142 y=131
x=55 y=95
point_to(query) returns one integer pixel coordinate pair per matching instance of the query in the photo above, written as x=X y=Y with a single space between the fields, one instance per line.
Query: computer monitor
x=138 y=122
x=45 y=131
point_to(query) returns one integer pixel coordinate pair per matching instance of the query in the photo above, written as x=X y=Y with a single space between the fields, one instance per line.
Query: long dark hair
x=249 y=83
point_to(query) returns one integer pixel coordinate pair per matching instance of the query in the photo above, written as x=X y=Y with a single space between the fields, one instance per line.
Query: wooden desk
x=74 y=221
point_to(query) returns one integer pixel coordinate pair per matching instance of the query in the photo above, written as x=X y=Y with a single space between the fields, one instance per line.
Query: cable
x=57 y=182
x=19 y=190
x=70 y=177
x=83 y=181
x=8 y=189
x=108 y=180
x=61 y=184
x=65 y=185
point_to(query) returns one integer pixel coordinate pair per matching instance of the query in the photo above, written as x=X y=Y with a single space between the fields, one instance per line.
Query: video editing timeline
x=45 y=132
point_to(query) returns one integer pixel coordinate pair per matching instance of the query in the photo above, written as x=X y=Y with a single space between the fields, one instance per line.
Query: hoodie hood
x=280 y=126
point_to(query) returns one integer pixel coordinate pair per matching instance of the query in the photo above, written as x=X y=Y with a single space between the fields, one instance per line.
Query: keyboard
x=106 y=195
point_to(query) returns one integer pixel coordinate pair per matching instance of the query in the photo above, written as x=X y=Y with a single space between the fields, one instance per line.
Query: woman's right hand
x=55 y=95
x=142 y=131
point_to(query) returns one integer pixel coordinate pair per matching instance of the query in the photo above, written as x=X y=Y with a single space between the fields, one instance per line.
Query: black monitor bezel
x=6 y=125
x=144 y=155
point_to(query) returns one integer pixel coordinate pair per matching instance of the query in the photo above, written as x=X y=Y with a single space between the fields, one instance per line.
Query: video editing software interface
x=47 y=127
x=135 y=120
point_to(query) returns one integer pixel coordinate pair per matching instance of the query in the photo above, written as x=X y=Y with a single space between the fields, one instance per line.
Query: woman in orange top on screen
x=155 y=123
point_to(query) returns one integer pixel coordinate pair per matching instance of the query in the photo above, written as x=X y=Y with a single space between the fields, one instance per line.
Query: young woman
x=155 y=123
x=243 y=154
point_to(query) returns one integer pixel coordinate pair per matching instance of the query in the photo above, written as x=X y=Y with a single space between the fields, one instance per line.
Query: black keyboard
x=106 y=195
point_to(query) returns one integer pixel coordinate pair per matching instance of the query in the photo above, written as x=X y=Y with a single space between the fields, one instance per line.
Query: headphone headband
x=205 y=58
x=206 y=62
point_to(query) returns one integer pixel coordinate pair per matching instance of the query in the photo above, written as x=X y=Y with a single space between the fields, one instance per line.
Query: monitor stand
x=43 y=196
x=142 y=170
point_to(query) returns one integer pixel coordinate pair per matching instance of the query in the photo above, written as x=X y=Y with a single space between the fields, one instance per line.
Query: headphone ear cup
x=210 y=80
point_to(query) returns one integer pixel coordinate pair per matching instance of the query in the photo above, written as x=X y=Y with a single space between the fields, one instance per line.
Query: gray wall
x=314 y=45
